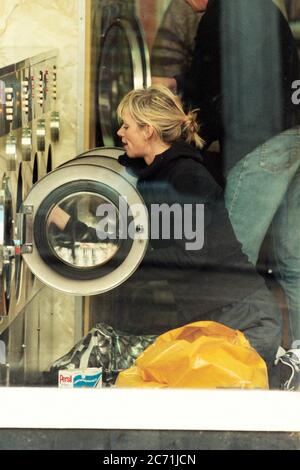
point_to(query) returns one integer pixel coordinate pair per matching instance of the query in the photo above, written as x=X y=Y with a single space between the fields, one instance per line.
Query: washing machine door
x=102 y=200
x=124 y=65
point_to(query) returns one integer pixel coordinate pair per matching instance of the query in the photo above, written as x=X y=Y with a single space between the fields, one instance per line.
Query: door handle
x=41 y=135
x=24 y=242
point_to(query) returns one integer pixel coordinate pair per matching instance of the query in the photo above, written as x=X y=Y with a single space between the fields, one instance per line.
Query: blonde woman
x=209 y=277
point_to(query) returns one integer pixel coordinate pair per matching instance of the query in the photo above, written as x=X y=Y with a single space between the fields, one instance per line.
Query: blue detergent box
x=80 y=378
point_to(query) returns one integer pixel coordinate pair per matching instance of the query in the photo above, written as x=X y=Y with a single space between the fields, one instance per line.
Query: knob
x=54 y=126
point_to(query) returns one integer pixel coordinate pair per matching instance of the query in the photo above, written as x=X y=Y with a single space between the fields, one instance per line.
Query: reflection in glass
x=18 y=257
x=76 y=242
x=115 y=79
x=7 y=237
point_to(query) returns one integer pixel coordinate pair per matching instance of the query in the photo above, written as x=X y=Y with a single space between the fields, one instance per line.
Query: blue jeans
x=262 y=191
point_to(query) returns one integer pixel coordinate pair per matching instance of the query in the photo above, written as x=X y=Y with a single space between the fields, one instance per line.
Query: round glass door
x=89 y=227
x=124 y=65
x=76 y=230
x=84 y=242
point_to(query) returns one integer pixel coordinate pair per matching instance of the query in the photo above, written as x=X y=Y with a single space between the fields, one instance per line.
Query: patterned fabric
x=103 y=347
x=174 y=42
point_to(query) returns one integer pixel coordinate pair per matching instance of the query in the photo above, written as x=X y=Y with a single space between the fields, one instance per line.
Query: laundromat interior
x=64 y=67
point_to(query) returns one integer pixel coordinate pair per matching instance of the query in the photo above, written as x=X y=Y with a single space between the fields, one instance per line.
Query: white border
x=206 y=410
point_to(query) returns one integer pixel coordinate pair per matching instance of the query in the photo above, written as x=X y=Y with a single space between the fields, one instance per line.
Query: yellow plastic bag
x=204 y=354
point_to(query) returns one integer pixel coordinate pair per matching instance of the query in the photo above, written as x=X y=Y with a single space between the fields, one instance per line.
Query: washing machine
x=45 y=122
x=82 y=187
x=12 y=280
x=88 y=187
x=29 y=131
x=10 y=125
x=95 y=190
x=124 y=64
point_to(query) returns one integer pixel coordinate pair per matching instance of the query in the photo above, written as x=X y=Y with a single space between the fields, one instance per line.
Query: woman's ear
x=148 y=131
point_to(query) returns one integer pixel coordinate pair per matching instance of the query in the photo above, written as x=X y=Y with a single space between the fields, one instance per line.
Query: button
x=26 y=140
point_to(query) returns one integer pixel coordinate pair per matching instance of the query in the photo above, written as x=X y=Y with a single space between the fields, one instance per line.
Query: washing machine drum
x=107 y=236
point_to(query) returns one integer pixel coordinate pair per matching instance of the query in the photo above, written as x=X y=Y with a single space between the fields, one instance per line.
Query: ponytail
x=190 y=129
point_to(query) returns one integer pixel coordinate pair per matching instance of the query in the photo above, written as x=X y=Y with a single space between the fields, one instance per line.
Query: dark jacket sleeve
x=200 y=86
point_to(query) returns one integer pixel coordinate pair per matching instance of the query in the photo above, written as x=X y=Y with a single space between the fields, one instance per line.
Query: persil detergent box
x=78 y=378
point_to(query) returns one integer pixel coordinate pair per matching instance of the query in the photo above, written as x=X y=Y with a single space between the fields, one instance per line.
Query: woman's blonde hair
x=158 y=107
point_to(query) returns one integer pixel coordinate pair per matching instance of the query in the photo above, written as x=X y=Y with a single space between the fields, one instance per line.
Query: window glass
x=236 y=64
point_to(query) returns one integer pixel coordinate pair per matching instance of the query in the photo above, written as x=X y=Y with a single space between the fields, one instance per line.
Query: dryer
x=124 y=64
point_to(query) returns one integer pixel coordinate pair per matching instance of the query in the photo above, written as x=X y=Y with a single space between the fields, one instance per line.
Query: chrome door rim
x=126 y=269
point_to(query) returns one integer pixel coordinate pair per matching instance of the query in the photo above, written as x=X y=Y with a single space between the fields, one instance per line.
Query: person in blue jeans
x=242 y=78
x=263 y=189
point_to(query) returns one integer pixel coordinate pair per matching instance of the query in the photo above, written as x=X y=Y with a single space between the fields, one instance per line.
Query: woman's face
x=133 y=136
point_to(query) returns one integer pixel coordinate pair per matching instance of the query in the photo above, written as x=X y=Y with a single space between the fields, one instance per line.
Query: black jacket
x=204 y=280
x=244 y=64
